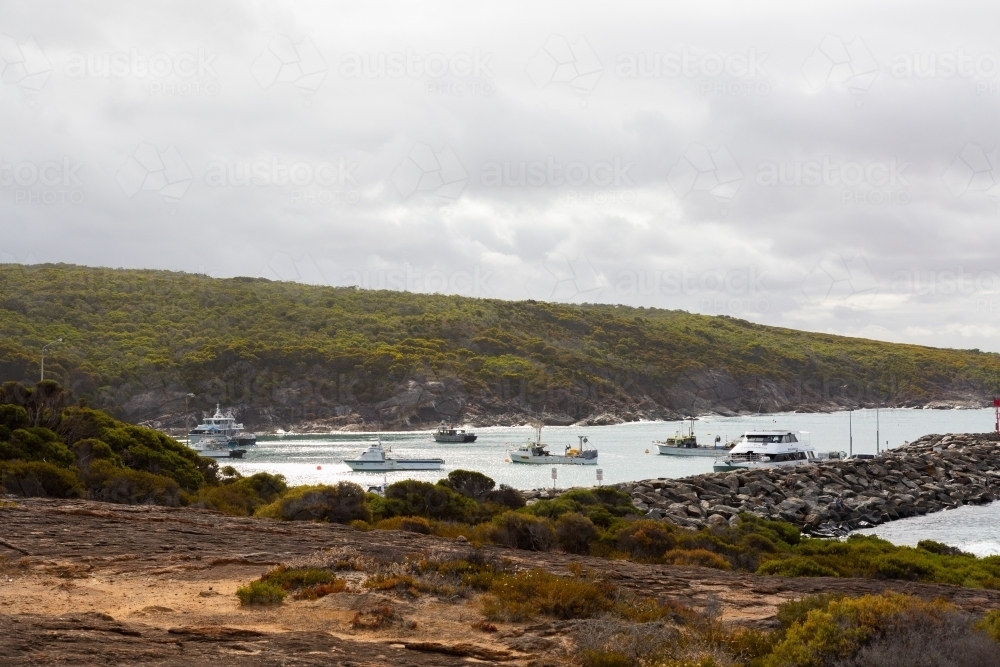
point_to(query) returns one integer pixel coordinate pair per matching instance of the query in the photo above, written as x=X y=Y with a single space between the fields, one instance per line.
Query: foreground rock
x=933 y=473
x=93 y=583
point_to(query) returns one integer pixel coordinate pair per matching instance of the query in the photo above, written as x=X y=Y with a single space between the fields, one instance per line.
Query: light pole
x=187 y=429
x=876 y=430
x=45 y=347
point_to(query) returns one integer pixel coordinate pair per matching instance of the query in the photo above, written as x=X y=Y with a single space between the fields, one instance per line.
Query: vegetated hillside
x=135 y=342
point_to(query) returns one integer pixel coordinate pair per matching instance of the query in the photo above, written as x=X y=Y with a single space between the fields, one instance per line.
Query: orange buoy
x=319 y=467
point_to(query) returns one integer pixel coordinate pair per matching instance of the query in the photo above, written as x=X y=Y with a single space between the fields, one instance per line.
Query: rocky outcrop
x=933 y=473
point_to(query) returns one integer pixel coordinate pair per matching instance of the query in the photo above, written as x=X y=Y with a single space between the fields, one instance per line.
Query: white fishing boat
x=767 y=449
x=374 y=459
x=220 y=428
x=218 y=448
x=447 y=433
x=686 y=444
x=536 y=453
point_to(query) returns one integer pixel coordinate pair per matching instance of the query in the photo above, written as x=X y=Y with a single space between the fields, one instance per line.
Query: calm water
x=970 y=528
x=623 y=448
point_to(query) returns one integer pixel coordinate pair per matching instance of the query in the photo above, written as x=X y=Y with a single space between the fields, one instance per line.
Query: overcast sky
x=825 y=169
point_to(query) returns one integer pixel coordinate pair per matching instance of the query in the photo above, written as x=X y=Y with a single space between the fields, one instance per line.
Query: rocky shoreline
x=933 y=473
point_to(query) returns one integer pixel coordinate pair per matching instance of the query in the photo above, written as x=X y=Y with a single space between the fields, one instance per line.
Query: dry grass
x=375 y=618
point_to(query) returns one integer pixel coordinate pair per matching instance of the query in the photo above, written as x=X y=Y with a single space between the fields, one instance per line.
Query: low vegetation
x=300 y=583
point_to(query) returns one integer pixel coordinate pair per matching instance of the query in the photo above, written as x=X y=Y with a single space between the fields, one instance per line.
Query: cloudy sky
x=826 y=169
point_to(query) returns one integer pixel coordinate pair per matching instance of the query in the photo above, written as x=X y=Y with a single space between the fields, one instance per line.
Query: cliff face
x=314 y=403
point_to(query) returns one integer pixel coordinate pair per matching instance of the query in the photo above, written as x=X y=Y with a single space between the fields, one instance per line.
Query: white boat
x=446 y=433
x=220 y=428
x=374 y=459
x=767 y=449
x=536 y=453
x=687 y=445
x=217 y=449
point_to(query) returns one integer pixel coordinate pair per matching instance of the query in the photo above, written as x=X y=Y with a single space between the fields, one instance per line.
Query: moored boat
x=536 y=453
x=686 y=444
x=217 y=448
x=374 y=459
x=220 y=428
x=767 y=449
x=448 y=433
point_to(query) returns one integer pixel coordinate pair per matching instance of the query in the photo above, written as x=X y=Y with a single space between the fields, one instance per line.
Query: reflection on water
x=623 y=447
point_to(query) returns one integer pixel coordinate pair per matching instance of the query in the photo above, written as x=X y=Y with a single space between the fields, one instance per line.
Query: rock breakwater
x=933 y=473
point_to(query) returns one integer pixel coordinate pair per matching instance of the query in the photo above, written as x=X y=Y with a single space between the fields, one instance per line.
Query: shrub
x=109 y=483
x=37 y=444
x=517 y=597
x=14 y=416
x=941 y=549
x=238 y=495
x=796 y=566
x=846 y=625
x=470 y=484
x=89 y=450
x=306 y=583
x=699 y=557
x=523 y=531
x=575 y=533
x=373 y=619
x=342 y=503
x=38 y=478
x=415 y=498
x=990 y=624
x=647 y=540
x=260 y=592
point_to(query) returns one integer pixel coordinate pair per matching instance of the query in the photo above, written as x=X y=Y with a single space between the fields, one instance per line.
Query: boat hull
x=667 y=450
x=455 y=438
x=552 y=460
x=228 y=453
x=395 y=464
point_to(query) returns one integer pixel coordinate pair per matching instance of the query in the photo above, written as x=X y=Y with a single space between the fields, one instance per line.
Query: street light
x=45 y=347
x=187 y=429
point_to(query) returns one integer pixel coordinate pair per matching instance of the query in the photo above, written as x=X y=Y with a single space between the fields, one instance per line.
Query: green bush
x=13 y=416
x=343 y=503
x=647 y=540
x=575 y=533
x=36 y=444
x=469 y=483
x=415 y=498
x=110 y=483
x=38 y=478
x=91 y=449
x=523 y=531
x=796 y=566
x=261 y=593
x=521 y=596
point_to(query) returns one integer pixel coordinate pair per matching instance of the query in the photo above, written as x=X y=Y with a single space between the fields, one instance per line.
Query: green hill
x=135 y=342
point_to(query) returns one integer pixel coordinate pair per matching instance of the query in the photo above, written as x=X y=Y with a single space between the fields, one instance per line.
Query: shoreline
x=315 y=428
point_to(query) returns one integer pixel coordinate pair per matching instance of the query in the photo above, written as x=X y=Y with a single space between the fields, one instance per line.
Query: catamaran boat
x=374 y=459
x=446 y=433
x=535 y=452
x=221 y=428
x=687 y=445
x=767 y=449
